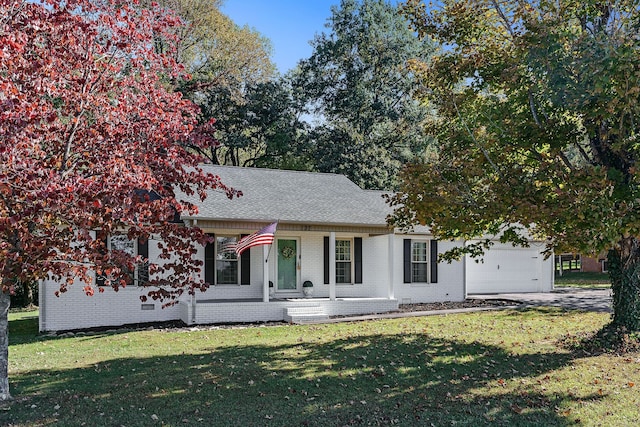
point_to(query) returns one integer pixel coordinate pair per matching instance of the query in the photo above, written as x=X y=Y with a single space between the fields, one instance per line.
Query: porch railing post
x=332 y=266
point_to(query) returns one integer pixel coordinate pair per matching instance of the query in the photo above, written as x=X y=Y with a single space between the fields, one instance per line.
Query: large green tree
x=92 y=144
x=264 y=129
x=233 y=81
x=225 y=61
x=358 y=84
x=537 y=125
x=216 y=51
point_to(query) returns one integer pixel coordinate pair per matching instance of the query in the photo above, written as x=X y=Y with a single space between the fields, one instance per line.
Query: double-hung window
x=227 y=265
x=221 y=264
x=123 y=245
x=343 y=261
x=419 y=262
x=347 y=258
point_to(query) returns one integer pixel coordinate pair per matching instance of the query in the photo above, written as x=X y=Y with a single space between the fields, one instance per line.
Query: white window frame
x=351 y=261
x=426 y=262
x=236 y=260
x=136 y=272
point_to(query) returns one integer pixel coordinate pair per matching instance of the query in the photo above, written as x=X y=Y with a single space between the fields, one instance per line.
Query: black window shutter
x=100 y=278
x=326 y=260
x=407 y=260
x=210 y=260
x=433 y=253
x=357 y=255
x=245 y=266
x=143 y=266
x=143 y=248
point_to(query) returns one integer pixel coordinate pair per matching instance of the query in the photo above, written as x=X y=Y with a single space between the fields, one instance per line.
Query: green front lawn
x=491 y=368
x=579 y=279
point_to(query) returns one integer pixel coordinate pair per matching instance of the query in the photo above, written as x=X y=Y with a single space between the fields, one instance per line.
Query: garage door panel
x=505 y=270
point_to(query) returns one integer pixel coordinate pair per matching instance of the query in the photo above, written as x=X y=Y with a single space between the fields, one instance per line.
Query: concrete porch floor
x=212 y=311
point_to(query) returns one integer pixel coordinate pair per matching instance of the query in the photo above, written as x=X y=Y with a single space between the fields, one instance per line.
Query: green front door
x=287 y=264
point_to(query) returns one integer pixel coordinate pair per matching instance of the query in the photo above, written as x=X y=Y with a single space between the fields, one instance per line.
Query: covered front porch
x=293 y=310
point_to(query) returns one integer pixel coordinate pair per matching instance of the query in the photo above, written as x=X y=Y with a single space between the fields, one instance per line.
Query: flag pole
x=274 y=240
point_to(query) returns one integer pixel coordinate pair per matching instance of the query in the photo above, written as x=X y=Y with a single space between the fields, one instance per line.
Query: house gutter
x=239 y=224
x=195 y=219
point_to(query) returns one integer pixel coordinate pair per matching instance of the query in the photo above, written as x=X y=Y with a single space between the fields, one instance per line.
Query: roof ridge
x=251 y=168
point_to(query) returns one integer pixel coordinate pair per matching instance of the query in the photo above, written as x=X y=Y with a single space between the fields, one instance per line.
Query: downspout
x=42 y=320
x=464 y=272
x=193 y=308
x=391 y=260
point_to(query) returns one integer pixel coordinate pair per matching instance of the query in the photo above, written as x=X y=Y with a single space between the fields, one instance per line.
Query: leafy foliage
x=92 y=138
x=233 y=81
x=358 y=84
x=264 y=129
x=536 y=106
x=216 y=51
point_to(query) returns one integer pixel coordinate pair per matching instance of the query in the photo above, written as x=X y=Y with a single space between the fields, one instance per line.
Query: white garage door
x=505 y=269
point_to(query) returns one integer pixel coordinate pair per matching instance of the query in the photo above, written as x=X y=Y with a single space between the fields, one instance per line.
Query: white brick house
x=330 y=233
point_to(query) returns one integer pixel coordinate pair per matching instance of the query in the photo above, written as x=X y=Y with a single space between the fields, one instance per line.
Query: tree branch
x=506 y=22
x=533 y=108
x=566 y=161
x=484 y=151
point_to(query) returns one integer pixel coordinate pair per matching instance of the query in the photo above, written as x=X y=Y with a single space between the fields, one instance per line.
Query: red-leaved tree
x=92 y=142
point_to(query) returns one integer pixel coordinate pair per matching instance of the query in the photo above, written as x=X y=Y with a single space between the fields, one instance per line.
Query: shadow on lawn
x=404 y=379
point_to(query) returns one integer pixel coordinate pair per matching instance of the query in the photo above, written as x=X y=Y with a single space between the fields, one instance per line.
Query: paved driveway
x=569 y=298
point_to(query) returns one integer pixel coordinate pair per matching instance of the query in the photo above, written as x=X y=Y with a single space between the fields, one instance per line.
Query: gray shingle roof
x=291 y=196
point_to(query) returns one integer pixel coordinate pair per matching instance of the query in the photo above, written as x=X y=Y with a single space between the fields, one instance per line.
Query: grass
x=23 y=325
x=492 y=368
x=577 y=279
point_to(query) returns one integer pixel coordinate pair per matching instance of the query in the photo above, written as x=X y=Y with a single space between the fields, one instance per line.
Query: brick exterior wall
x=450 y=284
x=75 y=310
x=588 y=264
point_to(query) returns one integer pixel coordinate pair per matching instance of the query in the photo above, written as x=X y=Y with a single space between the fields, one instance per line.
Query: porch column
x=332 y=266
x=265 y=273
x=560 y=263
x=391 y=248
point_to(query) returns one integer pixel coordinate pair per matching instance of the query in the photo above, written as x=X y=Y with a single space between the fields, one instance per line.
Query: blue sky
x=289 y=24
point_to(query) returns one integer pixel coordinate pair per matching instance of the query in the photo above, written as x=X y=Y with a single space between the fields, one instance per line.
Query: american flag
x=262 y=237
x=227 y=247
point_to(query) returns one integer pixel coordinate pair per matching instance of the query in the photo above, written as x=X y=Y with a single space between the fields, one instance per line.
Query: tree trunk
x=624 y=270
x=5 y=302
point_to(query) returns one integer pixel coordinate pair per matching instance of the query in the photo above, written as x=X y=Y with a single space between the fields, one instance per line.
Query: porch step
x=304 y=314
